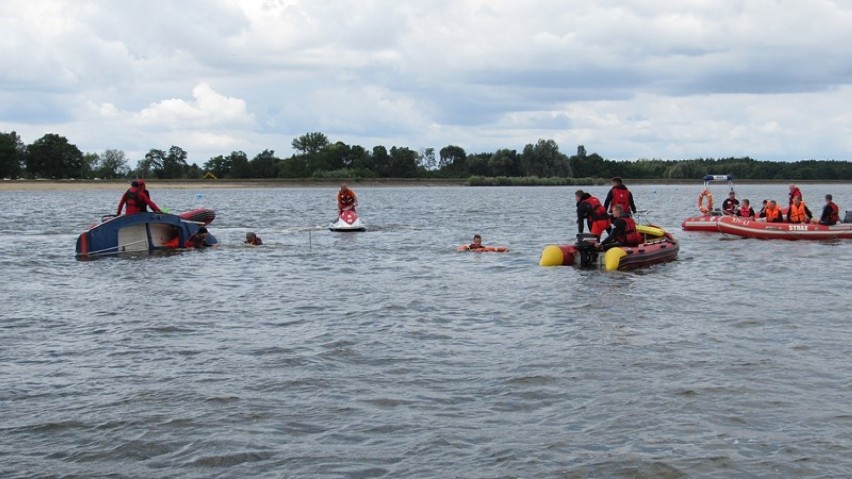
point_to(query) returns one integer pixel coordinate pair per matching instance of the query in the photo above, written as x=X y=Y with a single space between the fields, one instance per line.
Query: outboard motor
x=587 y=246
x=848 y=218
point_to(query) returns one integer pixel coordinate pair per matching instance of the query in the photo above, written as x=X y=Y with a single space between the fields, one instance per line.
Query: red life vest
x=631 y=236
x=598 y=211
x=746 y=212
x=346 y=198
x=798 y=214
x=834 y=217
x=621 y=196
x=134 y=201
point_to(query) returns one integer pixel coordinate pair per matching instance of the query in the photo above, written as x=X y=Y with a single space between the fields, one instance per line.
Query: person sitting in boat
x=592 y=212
x=729 y=206
x=830 y=212
x=198 y=240
x=745 y=210
x=623 y=232
x=799 y=212
x=346 y=199
x=794 y=192
x=253 y=239
x=619 y=195
x=763 y=209
x=135 y=200
x=773 y=213
x=477 y=243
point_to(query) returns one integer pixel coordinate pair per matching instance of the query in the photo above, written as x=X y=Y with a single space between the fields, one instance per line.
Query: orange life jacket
x=797 y=213
x=346 y=198
x=773 y=215
x=834 y=217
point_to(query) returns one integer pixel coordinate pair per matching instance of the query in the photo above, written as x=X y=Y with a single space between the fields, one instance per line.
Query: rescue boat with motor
x=759 y=229
x=347 y=221
x=658 y=246
x=709 y=215
x=142 y=233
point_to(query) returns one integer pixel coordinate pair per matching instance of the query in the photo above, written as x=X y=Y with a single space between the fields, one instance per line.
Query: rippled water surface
x=388 y=354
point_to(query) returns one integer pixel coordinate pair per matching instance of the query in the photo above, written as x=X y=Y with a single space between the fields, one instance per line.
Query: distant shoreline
x=119 y=185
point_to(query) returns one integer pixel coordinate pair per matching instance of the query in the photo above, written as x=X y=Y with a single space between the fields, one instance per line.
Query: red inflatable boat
x=788 y=231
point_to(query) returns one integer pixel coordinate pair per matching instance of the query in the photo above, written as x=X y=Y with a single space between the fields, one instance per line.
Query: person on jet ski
x=346 y=199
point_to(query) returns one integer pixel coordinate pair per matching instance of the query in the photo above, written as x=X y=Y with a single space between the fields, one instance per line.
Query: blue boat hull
x=140 y=233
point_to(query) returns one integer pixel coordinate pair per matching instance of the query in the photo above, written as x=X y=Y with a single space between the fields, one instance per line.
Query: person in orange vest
x=346 y=199
x=624 y=231
x=619 y=195
x=591 y=211
x=136 y=200
x=773 y=213
x=830 y=213
x=799 y=212
x=745 y=210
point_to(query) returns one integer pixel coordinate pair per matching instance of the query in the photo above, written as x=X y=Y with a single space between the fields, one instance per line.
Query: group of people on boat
x=771 y=212
x=614 y=215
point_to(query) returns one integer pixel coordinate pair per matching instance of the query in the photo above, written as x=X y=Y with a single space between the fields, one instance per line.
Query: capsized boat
x=658 y=246
x=760 y=229
x=142 y=233
x=347 y=220
x=483 y=249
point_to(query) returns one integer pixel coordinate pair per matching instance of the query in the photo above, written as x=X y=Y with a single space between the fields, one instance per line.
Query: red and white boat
x=760 y=229
x=347 y=220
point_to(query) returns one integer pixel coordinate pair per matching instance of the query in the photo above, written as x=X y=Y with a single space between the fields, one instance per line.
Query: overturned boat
x=347 y=220
x=760 y=229
x=142 y=233
x=658 y=246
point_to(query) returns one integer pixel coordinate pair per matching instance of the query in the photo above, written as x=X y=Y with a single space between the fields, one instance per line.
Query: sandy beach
x=120 y=185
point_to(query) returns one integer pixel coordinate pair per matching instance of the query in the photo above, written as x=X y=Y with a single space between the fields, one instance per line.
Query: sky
x=626 y=79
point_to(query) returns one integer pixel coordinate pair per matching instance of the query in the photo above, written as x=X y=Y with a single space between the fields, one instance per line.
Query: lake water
x=388 y=354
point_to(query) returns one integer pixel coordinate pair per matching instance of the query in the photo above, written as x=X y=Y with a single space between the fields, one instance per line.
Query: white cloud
x=767 y=78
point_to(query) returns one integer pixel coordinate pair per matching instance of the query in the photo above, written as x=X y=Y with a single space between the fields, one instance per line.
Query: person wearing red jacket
x=136 y=201
x=619 y=195
x=794 y=192
x=830 y=212
x=591 y=211
x=624 y=231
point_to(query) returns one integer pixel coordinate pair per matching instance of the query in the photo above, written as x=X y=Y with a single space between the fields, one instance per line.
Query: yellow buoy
x=551 y=256
x=613 y=257
x=651 y=231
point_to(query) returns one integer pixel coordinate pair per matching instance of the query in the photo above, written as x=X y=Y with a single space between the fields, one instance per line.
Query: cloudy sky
x=627 y=79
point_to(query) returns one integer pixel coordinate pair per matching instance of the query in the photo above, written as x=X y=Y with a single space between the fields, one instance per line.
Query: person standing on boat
x=346 y=199
x=830 y=212
x=746 y=211
x=619 y=195
x=798 y=212
x=623 y=232
x=729 y=206
x=794 y=192
x=135 y=200
x=592 y=212
x=773 y=213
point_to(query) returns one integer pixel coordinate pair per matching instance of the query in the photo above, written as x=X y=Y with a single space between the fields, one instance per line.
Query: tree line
x=54 y=157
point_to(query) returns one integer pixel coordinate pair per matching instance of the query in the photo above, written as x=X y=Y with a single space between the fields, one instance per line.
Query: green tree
x=219 y=166
x=12 y=152
x=453 y=159
x=544 y=159
x=403 y=163
x=310 y=143
x=265 y=164
x=112 y=164
x=381 y=160
x=240 y=167
x=51 y=156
